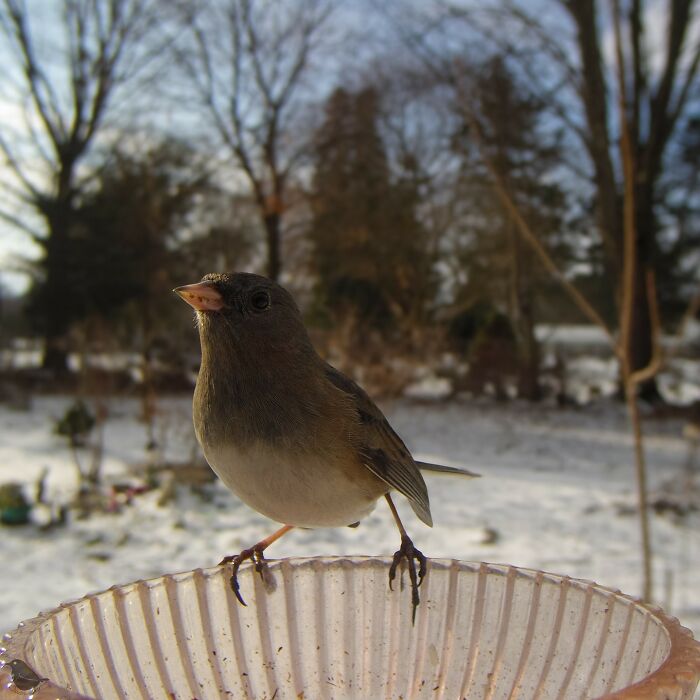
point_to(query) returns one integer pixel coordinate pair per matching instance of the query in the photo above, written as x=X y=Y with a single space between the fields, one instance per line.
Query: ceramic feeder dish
x=331 y=628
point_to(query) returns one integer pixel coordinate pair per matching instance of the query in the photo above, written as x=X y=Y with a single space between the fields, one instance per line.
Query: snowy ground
x=557 y=493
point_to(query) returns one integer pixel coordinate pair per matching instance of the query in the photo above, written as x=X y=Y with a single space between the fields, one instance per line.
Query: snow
x=585 y=336
x=557 y=493
x=576 y=336
x=429 y=388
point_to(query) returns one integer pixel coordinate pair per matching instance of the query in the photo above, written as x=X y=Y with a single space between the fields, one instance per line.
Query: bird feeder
x=331 y=628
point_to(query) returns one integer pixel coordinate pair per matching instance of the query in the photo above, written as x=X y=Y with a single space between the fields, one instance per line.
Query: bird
x=291 y=436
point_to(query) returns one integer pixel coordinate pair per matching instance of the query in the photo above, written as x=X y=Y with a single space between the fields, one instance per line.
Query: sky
x=361 y=21
x=165 y=108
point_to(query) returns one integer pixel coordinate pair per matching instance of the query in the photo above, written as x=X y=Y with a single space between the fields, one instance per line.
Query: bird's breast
x=307 y=488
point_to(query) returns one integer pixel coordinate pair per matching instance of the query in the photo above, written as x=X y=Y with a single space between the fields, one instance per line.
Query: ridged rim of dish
x=678 y=672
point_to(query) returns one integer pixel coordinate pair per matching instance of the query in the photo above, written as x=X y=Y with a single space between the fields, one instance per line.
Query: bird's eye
x=260 y=300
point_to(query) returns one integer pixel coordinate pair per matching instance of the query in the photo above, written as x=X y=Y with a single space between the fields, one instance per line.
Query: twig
x=652 y=369
x=631 y=378
x=690 y=313
x=529 y=235
x=621 y=344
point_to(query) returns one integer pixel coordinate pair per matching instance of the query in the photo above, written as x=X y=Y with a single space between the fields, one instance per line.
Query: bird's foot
x=412 y=555
x=255 y=554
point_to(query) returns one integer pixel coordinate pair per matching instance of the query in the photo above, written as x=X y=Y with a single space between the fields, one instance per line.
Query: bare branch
x=13 y=162
x=652 y=369
x=254 y=51
x=558 y=53
x=39 y=86
x=676 y=110
x=96 y=35
x=246 y=66
x=22 y=225
x=661 y=123
x=19 y=191
x=310 y=28
x=689 y=314
x=629 y=269
x=112 y=40
x=529 y=235
x=594 y=91
x=630 y=376
x=636 y=28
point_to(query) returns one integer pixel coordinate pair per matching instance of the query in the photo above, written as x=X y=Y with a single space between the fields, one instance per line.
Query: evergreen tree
x=369 y=250
x=122 y=249
x=502 y=269
x=677 y=253
x=65 y=88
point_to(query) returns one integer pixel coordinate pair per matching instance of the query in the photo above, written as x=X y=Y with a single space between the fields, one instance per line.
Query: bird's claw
x=411 y=554
x=255 y=554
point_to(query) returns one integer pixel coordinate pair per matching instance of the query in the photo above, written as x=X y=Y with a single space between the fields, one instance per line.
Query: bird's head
x=252 y=312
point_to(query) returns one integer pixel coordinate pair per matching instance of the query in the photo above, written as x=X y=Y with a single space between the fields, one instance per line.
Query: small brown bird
x=290 y=435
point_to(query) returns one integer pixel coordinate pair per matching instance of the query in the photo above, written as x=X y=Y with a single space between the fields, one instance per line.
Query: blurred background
x=488 y=212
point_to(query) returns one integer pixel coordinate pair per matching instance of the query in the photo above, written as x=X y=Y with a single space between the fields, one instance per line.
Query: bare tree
x=248 y=62
x=622 y=144
x=66 y=61
x=659 y=85
x=622 y=343
x=652 y=104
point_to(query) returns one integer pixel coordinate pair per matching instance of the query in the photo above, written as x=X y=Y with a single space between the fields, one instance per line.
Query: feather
x=382 y=450
x=442 y=469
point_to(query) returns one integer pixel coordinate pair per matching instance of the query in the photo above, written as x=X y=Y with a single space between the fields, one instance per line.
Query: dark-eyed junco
x=290 y=435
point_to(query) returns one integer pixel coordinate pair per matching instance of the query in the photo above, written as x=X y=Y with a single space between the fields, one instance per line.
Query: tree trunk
x=272 y=230
x=54 y=305
x=57 y=290
x=55 y=358
x=594 y=95
x=641 y=338
x=522 y=318
x=528 y=355
x=642 y=328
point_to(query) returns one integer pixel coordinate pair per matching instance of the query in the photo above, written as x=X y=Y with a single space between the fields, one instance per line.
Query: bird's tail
x=442 y=469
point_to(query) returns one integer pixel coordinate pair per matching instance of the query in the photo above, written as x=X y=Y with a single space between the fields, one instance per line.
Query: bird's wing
x=442 y=469
x=383 y=451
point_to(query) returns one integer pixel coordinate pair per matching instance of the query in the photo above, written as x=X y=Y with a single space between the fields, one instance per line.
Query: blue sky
x=357 y=18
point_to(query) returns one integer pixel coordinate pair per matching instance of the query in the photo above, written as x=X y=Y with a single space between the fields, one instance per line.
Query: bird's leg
x=408 y=552
x=255 y=554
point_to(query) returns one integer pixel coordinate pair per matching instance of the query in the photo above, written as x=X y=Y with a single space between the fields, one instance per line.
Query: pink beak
x=201 y=296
